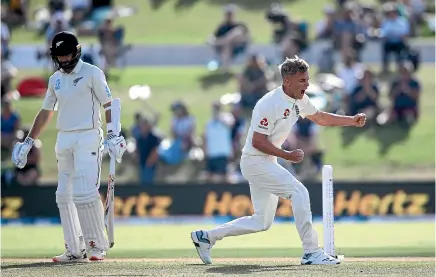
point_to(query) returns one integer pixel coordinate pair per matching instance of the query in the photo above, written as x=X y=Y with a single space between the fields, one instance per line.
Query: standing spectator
x=253 y=82
x=364 y=98
x=238 y=130
x=324 y=28
x=147 y=143
x=394 y=31
x=29 y=175
x=404 y=95
x=230 y=38
x=5 y=38
x=10 y=121
x=136 y=128
x=218 y=143
x=182 y=131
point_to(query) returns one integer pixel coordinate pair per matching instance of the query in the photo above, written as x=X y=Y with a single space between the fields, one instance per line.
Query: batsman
x=77 y=90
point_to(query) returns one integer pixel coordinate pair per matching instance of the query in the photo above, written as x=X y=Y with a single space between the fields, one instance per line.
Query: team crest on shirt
x=75 y=81
x=286 y=113
x=263 y=124
x=58 y=84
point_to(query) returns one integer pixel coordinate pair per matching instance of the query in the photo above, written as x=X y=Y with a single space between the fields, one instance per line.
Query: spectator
x=5 y=38
x=136 y=128
x=29 y=175
x=364 y=98
x=80 y=9
x=58 y=24
x=182 y=131
x=404 y=95
x=230 y=38
x=324 y=28
x=253 y=82
x=10 y=121
x=8 y=72
x=349 y=71
x=394 y=31
x=218 y=143
x=238 y=129
x=15 y=12
x=110 y=39
x=146 y=146
x=349 y=32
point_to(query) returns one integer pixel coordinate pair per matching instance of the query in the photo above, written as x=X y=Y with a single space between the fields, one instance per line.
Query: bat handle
x=112 y=166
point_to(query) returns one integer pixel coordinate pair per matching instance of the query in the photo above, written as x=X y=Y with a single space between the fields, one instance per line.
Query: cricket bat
x=110 y=195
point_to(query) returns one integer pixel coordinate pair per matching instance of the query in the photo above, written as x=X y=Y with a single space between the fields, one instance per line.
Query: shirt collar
x=284 y=95
x=78 y=66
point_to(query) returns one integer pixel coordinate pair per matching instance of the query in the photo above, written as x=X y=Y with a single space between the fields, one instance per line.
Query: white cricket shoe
x=67 y=257
x=318 y=257
x=203 y=245
x=96 y=254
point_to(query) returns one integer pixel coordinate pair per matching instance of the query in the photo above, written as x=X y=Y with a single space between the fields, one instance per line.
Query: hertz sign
x=351 y=199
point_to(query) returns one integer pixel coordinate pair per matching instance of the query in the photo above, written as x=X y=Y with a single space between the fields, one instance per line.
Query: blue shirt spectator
x=146 y=146
x=394 y=28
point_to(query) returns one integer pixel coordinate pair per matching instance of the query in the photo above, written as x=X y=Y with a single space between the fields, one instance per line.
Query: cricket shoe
x=203 y=245
x=318 y=257
x=67 y=257
x=96 y=254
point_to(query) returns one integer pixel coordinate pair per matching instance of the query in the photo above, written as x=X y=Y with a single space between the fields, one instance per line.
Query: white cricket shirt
x=77 y=97
x=274 y=115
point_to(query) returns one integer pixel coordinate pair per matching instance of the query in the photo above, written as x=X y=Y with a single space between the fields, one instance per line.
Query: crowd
x=347 y=27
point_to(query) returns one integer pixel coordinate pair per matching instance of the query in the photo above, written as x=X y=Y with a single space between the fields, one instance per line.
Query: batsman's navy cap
x=64 y=44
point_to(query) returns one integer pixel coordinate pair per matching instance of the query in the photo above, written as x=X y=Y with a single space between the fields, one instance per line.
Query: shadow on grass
x=215 y=78
x=250 y=269
x=38 y=265
x=386 y=136
x=245 y=4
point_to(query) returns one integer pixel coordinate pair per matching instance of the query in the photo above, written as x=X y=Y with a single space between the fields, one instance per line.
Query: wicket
x=328 y=212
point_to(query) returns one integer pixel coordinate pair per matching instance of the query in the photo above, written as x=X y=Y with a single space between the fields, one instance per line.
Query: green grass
x=192 y=24
x=173 y=241
x=235 y=268
x=406 y=157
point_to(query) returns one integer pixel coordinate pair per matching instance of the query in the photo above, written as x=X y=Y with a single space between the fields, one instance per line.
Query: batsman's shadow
x=250 y=268
x=37 y=265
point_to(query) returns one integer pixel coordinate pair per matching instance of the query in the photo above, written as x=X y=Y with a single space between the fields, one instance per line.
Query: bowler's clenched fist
x=359 y=120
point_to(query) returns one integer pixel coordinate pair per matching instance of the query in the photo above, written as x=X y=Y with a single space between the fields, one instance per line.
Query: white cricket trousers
x=79 y=155
x=268 y=181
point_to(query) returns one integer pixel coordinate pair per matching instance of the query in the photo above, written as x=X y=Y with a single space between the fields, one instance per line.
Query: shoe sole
x=95 y=259
x=197 y=247
x=70 y=261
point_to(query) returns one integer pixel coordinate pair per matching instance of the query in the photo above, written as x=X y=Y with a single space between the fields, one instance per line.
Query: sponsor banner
x=359 y=200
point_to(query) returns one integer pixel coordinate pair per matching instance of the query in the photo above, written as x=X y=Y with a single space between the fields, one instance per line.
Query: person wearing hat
x=76 y=91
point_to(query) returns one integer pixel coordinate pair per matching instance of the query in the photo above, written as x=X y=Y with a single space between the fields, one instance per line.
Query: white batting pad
x=71 y=226
x=91 y=217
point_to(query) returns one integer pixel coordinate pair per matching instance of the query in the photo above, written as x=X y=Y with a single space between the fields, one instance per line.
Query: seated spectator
x=15 y=12
x=58 y=24
x=10 y=121
x=253 y=82
x=238 y=130
x=217 y=144
x=291 y=36
x=230 y=38
x=147 y=143
x=394 y=30
x=30 y=173
x=349 y=32
x=405 y=93
x=364 y=98
x=8 y=72
x=349 y=71
x=80 y=9
x=182 y=134
x=324 y=28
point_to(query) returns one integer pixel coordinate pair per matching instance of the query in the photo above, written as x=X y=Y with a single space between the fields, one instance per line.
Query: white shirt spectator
x=77 y=97
x=218 y=135
x=393 y=29
x=350 y=75
x=274 y=115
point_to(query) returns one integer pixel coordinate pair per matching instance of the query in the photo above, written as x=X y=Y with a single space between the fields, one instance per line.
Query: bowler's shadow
x=215 y=78
x=250 y=268
x=350 y=134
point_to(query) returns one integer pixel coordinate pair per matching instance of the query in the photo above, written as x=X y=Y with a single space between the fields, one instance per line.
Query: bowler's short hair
x=293 y=66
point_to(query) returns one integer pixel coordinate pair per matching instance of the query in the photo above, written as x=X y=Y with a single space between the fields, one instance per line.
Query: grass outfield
x=234 y=267
x=191 y=24
x=173 y=241
x=405 y=155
